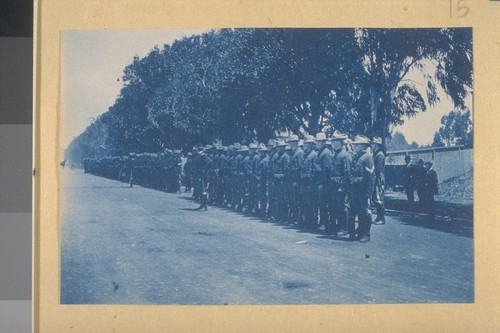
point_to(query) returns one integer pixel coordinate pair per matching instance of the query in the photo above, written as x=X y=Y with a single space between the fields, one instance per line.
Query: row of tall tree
x=232 y=85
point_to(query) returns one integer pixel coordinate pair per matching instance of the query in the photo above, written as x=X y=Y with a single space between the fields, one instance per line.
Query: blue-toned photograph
x=266 y=166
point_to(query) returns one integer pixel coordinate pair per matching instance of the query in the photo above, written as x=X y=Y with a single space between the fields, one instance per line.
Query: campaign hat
x=338 y=136
x=321 y=136
x=243 y=148
x=309 y=139
x=361 y=139
x=377 y=140
x=280 y=143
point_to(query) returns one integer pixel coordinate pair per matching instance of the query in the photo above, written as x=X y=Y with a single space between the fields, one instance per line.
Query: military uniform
x=233 y=167
x=245 y=174
x=197 y=175
x=363 y=179
x=222 y=177
x=212 y=173
x=340 y=185
x=280 y=168
x=379 y=188
x=309 y=188
x=273 y=160
x=177 y=169
x=188 y=173
x=324 y=168
x=242 y=165
x=228 y=183
x=202 y=168
x=252 y=183
x=262 y=173
x=294 y=181
x=236 y=180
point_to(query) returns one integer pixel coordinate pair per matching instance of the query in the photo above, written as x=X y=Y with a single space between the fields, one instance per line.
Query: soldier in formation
x=362 y=184
x=202 y=166
x=340 y=180
x=318 y=183
x=161 y=171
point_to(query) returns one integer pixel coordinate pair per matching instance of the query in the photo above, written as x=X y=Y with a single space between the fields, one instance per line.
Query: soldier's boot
x=252 y=206
x=280 y=211
x=203 y=202
x=380 y=219
x=367 y=224
x=295 y=213
x=289 y=216
x=342 y=225
x=351 y=228
x=311 y=220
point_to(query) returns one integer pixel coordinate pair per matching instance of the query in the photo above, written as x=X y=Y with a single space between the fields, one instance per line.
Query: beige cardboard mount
x=54 y=16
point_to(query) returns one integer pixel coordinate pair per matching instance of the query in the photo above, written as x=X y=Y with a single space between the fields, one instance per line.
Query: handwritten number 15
x=458 y=8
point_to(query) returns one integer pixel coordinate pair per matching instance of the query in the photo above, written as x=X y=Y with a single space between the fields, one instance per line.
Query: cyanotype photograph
x=258 y=166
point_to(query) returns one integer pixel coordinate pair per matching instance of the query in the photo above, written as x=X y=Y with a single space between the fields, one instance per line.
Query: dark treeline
x=244 y=85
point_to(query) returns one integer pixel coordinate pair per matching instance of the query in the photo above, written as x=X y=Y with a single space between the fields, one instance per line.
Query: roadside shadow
x=443 y=208
x=459 y=227
x=335 y=238
x=186 y=198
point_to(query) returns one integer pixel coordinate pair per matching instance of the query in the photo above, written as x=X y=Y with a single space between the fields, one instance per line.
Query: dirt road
x=122 y=245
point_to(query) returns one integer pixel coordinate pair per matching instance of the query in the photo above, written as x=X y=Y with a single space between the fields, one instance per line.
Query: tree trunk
x=314 y=119
x=374 y=108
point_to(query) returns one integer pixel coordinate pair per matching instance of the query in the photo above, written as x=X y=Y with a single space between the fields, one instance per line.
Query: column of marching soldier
x=315 y=183
x=160 y=171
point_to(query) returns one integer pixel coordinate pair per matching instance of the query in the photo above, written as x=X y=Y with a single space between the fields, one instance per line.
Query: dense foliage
x=456 y=129
x=397 y=141
x=251 y=84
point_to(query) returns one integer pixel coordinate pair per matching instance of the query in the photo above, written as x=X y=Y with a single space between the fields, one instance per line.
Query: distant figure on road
x=429 y=189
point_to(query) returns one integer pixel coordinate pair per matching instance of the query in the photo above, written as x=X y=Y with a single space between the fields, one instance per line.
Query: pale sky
x=94 y=60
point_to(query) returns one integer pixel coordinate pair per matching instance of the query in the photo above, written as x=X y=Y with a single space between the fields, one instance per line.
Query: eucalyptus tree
x=392 y=60
x=244 y=84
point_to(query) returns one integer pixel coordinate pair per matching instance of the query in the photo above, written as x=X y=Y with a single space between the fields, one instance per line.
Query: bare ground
x=122 y=245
